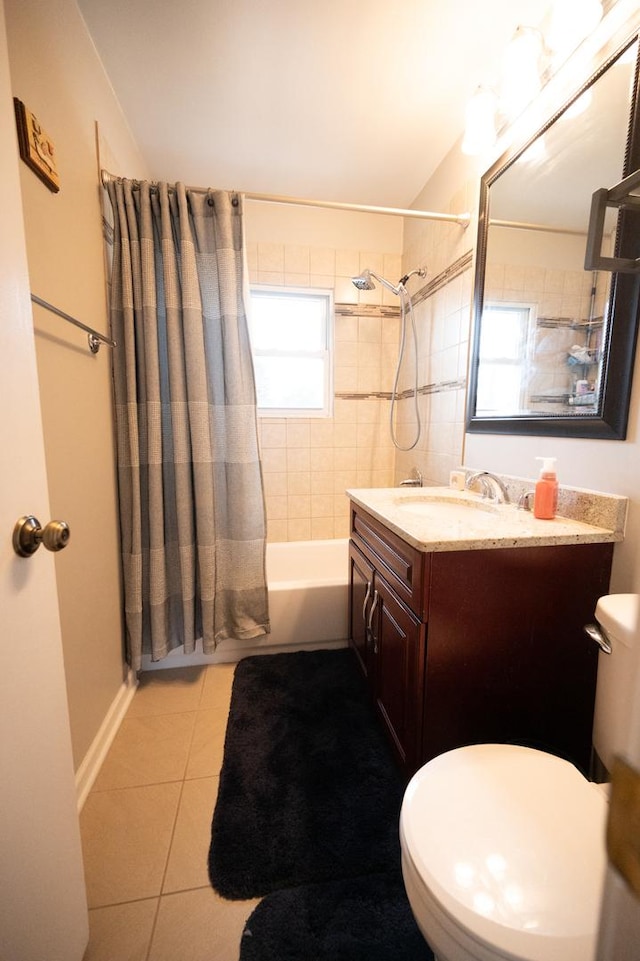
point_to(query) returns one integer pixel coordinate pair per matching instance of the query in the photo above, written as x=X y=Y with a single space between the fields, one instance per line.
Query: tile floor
x=146 y=826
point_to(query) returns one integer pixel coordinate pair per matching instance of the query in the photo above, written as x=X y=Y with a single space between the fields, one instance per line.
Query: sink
x=449 y=510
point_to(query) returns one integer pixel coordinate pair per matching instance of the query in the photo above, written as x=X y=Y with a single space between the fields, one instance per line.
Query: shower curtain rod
x=544 y=228
x=462 y=219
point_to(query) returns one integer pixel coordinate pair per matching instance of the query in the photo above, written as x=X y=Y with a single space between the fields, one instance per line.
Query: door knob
x=28 y=535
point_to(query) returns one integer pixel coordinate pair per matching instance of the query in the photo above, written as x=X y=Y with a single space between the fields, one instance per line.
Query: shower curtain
x=192 y=512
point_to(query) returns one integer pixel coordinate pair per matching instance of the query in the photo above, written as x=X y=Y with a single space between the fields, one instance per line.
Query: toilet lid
x=511 y=842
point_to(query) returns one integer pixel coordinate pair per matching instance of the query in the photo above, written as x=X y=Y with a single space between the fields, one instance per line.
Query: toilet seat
x=509 y=841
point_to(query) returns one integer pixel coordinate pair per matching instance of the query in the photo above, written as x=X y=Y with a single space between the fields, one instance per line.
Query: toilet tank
x=617 y=615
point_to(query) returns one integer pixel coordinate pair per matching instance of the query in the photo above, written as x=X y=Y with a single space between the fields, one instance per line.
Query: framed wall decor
x=36 y=147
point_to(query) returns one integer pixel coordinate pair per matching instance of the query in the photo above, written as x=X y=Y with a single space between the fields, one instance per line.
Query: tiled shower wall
x=442 y=308
x=309 y=463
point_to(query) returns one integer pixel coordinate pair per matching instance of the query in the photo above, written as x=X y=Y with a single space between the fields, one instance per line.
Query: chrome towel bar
x=95 y=337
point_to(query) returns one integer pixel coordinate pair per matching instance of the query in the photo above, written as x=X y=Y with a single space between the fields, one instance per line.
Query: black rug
x=362 y=919
x=308 y=789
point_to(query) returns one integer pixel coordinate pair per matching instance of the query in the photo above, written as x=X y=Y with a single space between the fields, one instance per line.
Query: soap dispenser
x=545 y=501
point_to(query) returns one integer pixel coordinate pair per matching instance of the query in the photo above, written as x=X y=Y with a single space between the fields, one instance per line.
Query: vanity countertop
x=434 y=519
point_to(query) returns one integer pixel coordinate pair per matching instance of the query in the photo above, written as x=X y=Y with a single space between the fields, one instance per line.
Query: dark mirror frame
x=624 y=302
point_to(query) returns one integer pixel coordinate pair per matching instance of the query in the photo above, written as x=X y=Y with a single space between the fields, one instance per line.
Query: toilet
x=503 y=853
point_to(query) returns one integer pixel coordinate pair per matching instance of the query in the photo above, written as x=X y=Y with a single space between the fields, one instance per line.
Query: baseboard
x=92 y=761
x=229 y=652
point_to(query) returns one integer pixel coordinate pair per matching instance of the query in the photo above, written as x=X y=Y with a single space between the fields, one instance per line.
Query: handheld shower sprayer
x=365 y=281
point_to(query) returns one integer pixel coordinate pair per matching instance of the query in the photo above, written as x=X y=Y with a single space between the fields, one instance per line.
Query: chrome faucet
x=525 y=500
x=414 y=481
x=491 y=486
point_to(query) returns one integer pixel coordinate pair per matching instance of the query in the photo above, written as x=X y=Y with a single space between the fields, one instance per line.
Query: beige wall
x=55 y=72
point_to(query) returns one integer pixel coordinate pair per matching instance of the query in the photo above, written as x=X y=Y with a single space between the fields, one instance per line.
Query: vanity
x=467 y=620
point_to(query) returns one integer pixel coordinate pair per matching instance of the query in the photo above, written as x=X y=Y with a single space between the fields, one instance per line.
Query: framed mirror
x=554 y=343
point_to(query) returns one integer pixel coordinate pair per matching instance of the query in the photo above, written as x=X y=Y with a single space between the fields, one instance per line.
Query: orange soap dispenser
x=545 y=501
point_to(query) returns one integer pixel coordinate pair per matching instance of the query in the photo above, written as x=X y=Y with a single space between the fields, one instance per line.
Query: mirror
x=554 y=343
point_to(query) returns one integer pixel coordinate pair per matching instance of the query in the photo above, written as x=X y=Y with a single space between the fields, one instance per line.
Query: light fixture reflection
x=483 y=903
x=497 y=866
x=464 y=874
x=579 y=105
x=536 y=152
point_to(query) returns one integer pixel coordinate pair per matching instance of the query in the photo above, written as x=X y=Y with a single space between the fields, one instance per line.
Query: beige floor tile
x=216 y=688
x=125 y=840
x=121 y=932
x=147 y=750
x=187 y=867
x=168 y=691
x=207 y=746
x=199 y=926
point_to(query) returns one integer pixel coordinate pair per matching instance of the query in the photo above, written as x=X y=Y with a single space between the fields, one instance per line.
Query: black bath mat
x=362 y=919
x=308 y=789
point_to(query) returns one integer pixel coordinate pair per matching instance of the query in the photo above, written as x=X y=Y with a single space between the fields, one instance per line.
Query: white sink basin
x=449 y=510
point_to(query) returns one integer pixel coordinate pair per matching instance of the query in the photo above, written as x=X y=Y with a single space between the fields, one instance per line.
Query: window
x=502 y=376
x=291 y=342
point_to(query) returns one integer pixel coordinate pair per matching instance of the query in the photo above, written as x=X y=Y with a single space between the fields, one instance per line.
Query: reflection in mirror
x=544 y=326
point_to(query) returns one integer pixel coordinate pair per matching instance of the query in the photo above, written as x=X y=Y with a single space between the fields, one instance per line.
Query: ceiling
x=349 y=100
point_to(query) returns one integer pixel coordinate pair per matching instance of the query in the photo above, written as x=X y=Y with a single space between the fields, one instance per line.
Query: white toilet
x=503 y=846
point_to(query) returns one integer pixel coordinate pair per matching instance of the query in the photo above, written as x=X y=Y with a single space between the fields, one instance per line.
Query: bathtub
x=308 y=605
x=308 y=585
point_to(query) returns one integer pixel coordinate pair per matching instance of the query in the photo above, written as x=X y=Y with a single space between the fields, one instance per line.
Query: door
x=43 y=910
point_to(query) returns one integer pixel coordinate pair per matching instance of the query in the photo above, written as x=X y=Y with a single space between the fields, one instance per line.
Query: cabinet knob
x=28 y=535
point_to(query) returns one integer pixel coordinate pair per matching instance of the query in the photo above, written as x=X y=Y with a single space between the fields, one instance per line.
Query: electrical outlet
x=623 y=828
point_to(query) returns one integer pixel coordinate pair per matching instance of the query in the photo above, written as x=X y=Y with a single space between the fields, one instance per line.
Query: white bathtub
x=308 y=601
x=308 y=583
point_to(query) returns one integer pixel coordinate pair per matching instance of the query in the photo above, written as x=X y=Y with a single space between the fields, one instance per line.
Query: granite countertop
x=444 y=519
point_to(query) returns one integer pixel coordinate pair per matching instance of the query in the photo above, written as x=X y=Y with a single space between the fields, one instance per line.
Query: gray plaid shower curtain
x=192 y=511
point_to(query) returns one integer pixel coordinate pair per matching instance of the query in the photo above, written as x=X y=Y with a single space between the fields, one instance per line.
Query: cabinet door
x=360 y=605
x=398 y=649
x=507 y=658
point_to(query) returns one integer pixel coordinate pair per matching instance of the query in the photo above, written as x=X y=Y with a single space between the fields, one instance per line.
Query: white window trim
x=327 y=354
x=529 y=339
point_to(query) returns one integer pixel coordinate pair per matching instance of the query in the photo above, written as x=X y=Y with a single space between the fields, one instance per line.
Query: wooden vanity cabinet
x=462 y=647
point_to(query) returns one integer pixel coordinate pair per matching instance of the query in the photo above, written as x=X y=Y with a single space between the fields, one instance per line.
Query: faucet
x=414 y=481
x=525 y=499
x=491 y=486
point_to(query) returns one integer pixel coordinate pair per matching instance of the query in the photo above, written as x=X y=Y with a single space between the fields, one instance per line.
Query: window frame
x=529 y=327
x=326 y=353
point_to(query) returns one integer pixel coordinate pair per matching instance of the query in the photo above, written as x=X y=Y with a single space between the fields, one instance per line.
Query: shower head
x=364 y=281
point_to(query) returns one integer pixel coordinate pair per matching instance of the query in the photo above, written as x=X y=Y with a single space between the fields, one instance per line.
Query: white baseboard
x=92 y=761
x=229 y=652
